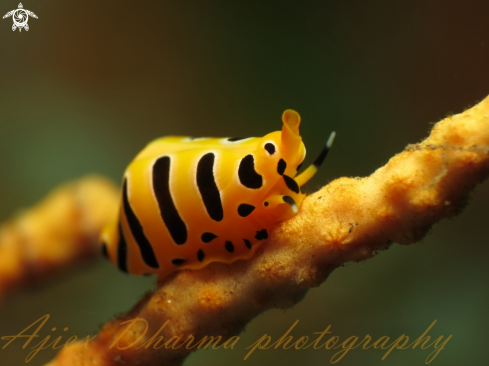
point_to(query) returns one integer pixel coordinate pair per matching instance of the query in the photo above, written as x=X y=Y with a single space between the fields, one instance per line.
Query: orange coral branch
x=348 y=220
x=59 y=231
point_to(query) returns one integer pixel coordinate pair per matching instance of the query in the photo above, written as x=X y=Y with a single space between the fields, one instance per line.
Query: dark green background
x=93 y=81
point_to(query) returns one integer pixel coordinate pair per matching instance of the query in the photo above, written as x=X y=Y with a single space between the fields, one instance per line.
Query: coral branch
x=348 y=220
x=59 y=231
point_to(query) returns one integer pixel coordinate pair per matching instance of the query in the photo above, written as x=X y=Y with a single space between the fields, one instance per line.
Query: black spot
x=137 y=231
x=237 y=138
x=122 y=251
x=208 y=237
x=281 y=166
x=262 y=234
x=208 y=187
x=266 y=203
x=169 y=213
x=105 y=252
x=147 y=274
x=247 y=243
x=299 y=166
x=270 y=148
x=200 y=255
x=178 y=261
x=244 y=209
x=247 y=174
x=291 y=184
x=229 y=246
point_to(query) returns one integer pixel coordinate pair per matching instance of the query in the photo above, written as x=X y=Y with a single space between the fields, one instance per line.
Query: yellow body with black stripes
x=187 y=201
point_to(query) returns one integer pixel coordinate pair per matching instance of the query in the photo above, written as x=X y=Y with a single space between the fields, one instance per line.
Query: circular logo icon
x=20 y=18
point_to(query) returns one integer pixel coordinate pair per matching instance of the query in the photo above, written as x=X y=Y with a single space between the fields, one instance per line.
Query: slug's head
x=279 y=156
x=284 y=148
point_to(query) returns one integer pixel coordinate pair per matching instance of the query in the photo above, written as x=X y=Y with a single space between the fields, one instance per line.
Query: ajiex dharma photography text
x=321 y=340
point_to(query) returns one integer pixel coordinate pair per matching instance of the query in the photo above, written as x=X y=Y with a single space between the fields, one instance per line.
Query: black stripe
x=281 y=166
x=200 y=255
x=247 y=243
x=244 y=209
x=122 y=251
x=208 y=237
x=178 y=261
x=236 y=138
x=247 y=174
x=289 y=200
x=262 y=234
x=208 y=187
x=137 y=231
x=270 y=148
x=169 y=213
x=105 y=252
x=291 y=184
x=229 y=246
x=319 y=160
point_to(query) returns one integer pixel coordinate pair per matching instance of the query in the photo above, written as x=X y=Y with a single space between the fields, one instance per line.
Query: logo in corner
x=20 y=17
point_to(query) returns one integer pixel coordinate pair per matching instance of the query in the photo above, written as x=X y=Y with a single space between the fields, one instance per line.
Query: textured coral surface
x=60 y=230
x=350 y=219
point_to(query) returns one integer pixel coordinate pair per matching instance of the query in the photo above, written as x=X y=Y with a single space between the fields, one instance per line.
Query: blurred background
x=92 y=82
